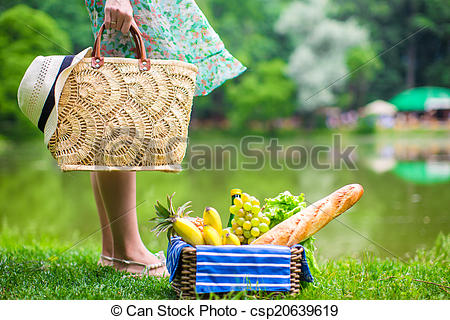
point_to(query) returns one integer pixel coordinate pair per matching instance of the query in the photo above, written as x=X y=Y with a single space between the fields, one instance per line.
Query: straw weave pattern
x=120 y=118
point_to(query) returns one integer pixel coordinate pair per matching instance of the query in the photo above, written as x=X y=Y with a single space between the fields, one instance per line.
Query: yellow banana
x=211 y=217
x=230 y=238
x=211 y=236
x=188 y=231
x=224 y=234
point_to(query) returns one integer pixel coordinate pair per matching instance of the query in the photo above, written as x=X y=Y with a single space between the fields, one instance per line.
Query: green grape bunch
x=249 y=221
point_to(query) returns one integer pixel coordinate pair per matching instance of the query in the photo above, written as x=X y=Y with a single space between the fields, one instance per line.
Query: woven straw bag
x=124 y=114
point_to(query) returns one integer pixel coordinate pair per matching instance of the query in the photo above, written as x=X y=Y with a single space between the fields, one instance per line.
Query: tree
x=416 y=35
x=247 y=29
x=71 y=16
x=318 y=63
x=264 y=94
x=24 y=34
x=363 y=65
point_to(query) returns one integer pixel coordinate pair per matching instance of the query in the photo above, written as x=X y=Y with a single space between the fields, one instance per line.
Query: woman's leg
x=118 y=191
x=107 y=240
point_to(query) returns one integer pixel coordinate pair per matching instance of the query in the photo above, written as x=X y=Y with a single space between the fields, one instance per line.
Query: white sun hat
x=41 y=87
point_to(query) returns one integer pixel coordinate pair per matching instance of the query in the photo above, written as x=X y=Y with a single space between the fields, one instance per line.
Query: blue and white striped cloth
x=176 y=244
x=237 y=268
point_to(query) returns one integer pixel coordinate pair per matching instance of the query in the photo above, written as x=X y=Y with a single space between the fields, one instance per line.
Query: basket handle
x=97 y=60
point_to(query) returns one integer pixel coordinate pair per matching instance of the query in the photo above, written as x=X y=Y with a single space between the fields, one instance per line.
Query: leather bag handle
x=97 y=60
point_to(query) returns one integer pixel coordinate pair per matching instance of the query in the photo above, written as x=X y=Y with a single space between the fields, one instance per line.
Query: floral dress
x=176 y=30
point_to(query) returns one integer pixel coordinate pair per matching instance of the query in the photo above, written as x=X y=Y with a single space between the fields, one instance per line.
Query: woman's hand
x=118 y=15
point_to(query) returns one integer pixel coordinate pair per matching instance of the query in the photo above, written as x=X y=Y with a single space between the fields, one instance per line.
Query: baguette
x=308 y=221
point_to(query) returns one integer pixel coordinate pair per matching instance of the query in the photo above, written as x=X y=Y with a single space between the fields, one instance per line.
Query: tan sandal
x=104 y=262
x=146 y=267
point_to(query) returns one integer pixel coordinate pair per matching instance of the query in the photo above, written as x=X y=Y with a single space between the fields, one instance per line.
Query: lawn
x=50 y=272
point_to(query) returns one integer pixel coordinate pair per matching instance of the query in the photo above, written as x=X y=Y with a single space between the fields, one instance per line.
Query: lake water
x=405 y=205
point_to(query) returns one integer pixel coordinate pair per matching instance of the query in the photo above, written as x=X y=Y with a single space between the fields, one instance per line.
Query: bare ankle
x=135 y=253
x=107 y=252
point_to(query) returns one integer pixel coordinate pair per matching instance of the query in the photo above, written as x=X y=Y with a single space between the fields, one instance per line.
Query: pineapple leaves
x=161 y=211
x=181 y=211
x=170 y=202
x=166 y=216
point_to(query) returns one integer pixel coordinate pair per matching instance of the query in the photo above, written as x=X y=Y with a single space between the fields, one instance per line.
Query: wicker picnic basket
x=184 y=280
x=124 y=114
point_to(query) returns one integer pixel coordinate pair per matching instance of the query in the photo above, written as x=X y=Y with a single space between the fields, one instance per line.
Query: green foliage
x=366 y=125
x=424 y=55
x=264 y=93
x=439 y=72
x=20 y=43
x=71 y=16
x=320 y=41
x=247 y=29
x=318 y=63
x=362 y=64
x=235 y=20
x=387 y=21
x=358 y=66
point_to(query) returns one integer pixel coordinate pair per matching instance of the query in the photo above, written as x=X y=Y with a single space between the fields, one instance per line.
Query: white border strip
x=201 y=274
x=107 y=309
x=260 y=246
x=244 y=264
x=287 y=255
x=260 y=285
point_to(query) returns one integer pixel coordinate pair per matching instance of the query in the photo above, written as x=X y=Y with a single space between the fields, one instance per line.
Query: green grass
x=40 y=272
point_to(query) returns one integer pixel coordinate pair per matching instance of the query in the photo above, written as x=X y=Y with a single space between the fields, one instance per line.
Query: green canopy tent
x=421 y=172
x=422 y=99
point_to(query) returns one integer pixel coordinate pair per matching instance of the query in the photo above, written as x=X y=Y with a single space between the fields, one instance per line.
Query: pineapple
x=176 y=222
x=197 y=221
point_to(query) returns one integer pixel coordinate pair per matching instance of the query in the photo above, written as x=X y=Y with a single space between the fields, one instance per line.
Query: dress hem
x=227 y=71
